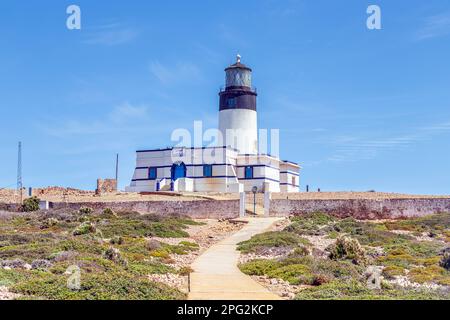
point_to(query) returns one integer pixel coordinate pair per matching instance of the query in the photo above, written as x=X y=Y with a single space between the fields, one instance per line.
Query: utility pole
x=19 y=173
x=117 y=171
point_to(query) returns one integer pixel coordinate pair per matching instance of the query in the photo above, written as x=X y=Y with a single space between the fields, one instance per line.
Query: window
x=293 y=181
x=249 y=172
x=152 y=173
x=207 y=170
x=231 y=102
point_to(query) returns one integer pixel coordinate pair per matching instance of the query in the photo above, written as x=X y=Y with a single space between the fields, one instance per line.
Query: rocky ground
x=6 y=295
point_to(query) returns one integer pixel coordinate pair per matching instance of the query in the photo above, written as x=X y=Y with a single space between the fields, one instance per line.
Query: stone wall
x=362 y=208
x=201 y=209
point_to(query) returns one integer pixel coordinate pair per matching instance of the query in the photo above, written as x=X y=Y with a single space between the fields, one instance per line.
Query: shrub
x=153 y=244
x=334 y=291
x=185 y=271
x=114 y=285
x=271 y=239
x=310 y=224
x=109 y=213
x=86 y=211
x=294 y=274
x=116 y=240
x=31 y=204
x=390 y=272
x=431 y=223
x=114 y=255
x=161 y=253
x=85 y=228
x=259 y=267
x=428 y=274
x=48 y=223
x=189 y=244
x=347 y=248
x=300 y=251
x=445 y=261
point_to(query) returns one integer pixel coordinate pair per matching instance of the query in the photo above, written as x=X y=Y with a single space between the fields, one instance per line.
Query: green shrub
x=347 y=248
x=445 y=261
x=259 y=267
x=432 y=223
x=96 y=286
x=271 y=239
x=86 y=211
x=48 y=223
x=185 y=271
x=294 y=274
x=85 y=228
x=115 y=256
x=303 y=270
x=391 y=272
x=109 y=213
x=428 y=274
x=116 y=240
x=31 y=204
x=310 y=224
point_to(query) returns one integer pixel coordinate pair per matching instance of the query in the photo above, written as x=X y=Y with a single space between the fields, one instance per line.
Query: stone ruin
x=106 y=186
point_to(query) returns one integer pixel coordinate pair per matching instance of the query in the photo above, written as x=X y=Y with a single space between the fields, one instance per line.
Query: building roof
x=238 y=65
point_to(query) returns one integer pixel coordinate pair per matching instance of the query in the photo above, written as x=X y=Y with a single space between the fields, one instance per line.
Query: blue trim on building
x=260 y=178
x=218 y=177
x=288 y=184
x=258 y=166
x=290 y=172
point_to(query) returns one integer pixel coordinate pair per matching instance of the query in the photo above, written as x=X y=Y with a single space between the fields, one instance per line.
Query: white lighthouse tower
x=238 y=120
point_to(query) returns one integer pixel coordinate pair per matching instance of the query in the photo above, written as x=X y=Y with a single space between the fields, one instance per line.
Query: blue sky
x=359 y=109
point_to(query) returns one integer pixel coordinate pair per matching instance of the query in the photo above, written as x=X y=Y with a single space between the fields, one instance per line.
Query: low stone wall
x=9 y=207
x=201 y=209
x=362 y=208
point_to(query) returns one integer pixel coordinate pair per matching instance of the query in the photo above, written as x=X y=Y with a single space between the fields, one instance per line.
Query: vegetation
x=342 y=274
x=111 y=251
x=30 y=204
x=347 y=248
x=356 y=290
x=307 y=270
x=271 y=239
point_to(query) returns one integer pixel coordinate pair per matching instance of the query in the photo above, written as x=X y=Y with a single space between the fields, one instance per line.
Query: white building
x=235 y=167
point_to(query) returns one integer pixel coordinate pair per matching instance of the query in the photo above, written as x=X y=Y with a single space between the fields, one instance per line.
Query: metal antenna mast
x=19 y=173
x=117 y=171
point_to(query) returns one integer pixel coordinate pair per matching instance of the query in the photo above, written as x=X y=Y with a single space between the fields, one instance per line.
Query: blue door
x=178 y=171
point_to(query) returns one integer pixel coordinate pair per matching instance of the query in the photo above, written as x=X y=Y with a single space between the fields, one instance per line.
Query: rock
x=12 y=264
x=40 y=264
x=64 y=256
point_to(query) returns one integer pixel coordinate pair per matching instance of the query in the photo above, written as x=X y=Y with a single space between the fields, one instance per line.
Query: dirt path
x=216 y=275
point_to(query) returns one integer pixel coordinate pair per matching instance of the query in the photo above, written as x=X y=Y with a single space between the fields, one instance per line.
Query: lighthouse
x=237 y=165
x=238 y=120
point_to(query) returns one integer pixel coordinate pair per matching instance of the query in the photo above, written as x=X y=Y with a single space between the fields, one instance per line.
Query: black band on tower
x=242 y=98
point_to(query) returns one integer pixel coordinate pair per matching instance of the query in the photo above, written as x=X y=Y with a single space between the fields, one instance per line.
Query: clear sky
x=359 y=109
